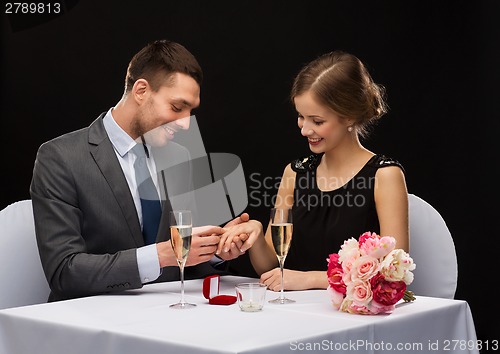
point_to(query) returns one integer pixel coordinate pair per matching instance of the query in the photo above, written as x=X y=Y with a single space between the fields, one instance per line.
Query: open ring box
x=211 y=286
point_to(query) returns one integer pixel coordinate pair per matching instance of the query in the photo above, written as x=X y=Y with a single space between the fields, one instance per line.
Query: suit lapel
x=104 y=155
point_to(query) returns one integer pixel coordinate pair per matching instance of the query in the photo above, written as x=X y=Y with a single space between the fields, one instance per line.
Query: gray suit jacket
x=86 y=223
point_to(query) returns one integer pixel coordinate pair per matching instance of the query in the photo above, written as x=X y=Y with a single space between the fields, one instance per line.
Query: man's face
x=168 y=109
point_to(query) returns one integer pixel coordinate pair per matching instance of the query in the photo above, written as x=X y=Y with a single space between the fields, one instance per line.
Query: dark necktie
x=150 y=203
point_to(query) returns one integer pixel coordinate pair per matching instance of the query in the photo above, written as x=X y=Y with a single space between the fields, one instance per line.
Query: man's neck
x=123 y=114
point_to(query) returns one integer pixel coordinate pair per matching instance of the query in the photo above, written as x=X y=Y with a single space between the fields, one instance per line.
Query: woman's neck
x=349 y=155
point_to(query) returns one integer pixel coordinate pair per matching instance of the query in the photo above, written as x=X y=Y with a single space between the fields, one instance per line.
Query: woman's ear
x=349 y=122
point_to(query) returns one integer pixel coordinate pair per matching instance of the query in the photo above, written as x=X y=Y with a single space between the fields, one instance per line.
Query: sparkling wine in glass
x=281 y=233
x=181 y=226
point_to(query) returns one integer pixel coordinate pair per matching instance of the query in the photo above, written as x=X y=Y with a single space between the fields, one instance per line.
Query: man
x=86 y=204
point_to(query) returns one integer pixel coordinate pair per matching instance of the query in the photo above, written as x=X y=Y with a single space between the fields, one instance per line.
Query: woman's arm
x=391 y=201
x=251 y=233
x=263 y=257
x=295 y=279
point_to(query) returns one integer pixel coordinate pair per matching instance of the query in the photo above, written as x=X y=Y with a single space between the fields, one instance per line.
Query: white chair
x=22 y=281
x=432 y=250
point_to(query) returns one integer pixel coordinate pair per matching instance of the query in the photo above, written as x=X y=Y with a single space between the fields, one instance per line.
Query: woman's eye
x=318 y=122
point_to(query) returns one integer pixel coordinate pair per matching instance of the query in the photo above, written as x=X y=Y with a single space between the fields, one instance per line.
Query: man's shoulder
x=66 y=142
x=75 y=137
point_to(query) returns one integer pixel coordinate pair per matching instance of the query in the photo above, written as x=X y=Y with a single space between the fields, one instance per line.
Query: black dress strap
x=378 y=161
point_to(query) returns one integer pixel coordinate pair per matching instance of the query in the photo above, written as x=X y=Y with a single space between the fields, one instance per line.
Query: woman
x=339 y=191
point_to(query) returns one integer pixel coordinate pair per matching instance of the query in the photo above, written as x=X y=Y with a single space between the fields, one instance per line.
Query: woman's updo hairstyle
x=341 y=82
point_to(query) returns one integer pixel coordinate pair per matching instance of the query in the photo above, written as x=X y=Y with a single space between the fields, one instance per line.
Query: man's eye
x=176 y=109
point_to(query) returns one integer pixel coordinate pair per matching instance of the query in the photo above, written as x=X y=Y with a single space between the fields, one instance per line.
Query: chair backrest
x=22 y=281
x=432 y=250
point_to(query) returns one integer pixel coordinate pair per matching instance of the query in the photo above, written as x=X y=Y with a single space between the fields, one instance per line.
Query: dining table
x=141 y=321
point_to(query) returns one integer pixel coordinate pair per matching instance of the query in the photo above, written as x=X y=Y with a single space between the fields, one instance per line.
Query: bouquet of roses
x=369 y=276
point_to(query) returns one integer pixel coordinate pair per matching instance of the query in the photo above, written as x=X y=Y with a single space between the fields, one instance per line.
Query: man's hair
x=158 y=61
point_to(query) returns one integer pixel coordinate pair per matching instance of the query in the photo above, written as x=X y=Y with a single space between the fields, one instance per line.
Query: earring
x=349 y=129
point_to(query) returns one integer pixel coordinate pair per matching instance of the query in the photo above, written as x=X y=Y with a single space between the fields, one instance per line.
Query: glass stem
x=181 y=267
x=282 y=291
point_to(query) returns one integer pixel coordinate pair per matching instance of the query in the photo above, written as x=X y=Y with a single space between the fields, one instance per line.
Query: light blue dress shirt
x=147 y=256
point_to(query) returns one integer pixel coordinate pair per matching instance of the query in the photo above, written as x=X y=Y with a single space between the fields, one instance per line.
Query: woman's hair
x=158 y=61
x=341 y=82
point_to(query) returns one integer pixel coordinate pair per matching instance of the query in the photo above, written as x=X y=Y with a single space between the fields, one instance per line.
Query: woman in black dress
x=341 y=189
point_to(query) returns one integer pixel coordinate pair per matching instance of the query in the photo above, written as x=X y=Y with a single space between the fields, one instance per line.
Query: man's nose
x=183 y=123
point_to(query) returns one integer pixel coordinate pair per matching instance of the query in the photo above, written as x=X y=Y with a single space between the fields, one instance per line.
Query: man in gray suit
x=88 y=216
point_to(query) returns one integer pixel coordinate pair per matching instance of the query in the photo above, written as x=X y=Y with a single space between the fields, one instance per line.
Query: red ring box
x=211 y=286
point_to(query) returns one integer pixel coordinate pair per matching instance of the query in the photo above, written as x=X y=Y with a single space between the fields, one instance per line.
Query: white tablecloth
x=141 y=322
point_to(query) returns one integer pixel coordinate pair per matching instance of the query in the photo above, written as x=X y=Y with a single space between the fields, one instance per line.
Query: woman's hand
x=294 y=279
x=243 y=235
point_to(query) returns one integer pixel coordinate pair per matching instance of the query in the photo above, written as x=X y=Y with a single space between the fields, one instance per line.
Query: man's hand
x=203 y=246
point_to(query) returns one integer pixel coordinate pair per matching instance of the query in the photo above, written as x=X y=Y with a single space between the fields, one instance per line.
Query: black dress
x=322 y=221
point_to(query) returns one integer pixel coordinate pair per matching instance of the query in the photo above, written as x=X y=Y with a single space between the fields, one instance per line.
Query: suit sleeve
x=71 y=270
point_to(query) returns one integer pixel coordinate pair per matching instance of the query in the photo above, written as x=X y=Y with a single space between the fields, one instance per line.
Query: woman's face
x=323 y=128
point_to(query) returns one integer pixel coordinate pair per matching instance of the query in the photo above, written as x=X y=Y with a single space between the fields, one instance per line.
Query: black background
x=438 y=60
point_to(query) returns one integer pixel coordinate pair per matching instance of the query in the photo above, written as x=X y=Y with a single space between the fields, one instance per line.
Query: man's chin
x=160 y=141
x=157 y=137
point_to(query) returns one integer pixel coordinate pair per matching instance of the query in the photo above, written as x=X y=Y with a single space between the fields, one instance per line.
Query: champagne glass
x=181 y=226
x=281 y=232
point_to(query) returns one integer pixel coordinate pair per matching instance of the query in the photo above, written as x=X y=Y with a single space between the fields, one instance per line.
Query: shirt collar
x=122 y=142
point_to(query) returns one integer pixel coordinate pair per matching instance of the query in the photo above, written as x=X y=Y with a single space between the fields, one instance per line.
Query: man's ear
x=139 y=90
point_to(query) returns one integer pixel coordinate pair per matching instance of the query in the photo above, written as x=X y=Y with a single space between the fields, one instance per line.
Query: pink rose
x=386 y=292
x=360 y=292
x=364 y=268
